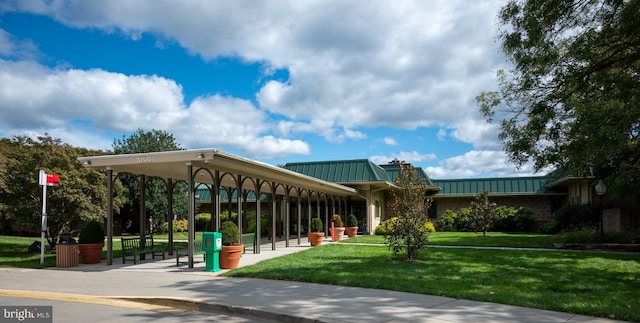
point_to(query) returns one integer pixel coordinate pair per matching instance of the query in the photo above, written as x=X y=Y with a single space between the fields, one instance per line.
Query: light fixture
x=201 y=156
x=86 y=162
x=601 y=188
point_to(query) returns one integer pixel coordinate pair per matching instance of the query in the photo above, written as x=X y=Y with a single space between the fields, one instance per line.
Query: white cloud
x=32 y=95
x=352 y=64
x=65 y=103
x=389 y=141
x=478 y=163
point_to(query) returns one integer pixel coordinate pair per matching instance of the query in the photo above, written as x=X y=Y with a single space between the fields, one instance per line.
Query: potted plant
x=91 y=242
x=338 y=229
x=231 y=245
x=352 y=226
x=315 y=232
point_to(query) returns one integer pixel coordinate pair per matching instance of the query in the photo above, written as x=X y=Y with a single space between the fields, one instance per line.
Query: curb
x=163 y=304
x=249 y=311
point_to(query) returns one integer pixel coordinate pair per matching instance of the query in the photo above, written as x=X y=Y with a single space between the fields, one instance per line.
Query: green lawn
x=13 y=250
x=597 y=284
x=493 y=239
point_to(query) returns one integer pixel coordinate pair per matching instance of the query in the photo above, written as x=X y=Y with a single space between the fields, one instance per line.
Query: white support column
x=109 y=216
x=191 y=227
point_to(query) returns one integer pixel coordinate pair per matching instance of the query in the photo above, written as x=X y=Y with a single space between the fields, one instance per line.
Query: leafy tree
x=483 y=212
x=571 y=99
x=409 y=205
x=80 y=197
x=156 y=202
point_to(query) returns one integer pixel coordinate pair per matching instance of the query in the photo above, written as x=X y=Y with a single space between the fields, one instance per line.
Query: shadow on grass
x=584 y=283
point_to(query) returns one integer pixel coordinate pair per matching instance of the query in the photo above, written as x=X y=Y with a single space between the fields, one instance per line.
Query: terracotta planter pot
x=339 y=232
x=352 y=231
x=316 y=238
x=90 y=253
x=230 y=256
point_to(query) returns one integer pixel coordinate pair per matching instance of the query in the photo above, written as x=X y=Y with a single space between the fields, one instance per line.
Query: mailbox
x=212 y=245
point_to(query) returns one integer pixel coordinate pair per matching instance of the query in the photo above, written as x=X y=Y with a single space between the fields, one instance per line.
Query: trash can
x=211 y=245
x=67 y=255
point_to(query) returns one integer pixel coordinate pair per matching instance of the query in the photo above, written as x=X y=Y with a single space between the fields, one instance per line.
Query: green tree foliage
x=483 y=212
x=80 y=197
x=410 y=205
x=156 y=202
x=510 y=219
x=571 y=99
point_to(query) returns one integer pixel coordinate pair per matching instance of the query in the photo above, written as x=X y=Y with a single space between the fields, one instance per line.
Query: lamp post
x=601 y=188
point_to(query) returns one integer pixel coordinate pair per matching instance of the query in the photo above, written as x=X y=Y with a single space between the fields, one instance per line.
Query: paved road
x=127 y=311
x=159 y=281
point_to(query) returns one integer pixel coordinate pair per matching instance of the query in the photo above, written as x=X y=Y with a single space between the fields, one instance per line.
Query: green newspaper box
x=211 y=245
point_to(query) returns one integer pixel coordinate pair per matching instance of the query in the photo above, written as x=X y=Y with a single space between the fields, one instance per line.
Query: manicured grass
x=14 y=250
x=597 y=284
x=14 y=253
x=493 y=239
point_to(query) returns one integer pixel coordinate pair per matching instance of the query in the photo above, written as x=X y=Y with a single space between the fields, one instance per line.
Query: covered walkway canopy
x=216 y=168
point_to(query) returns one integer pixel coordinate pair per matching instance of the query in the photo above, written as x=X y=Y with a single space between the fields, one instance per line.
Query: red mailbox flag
x=53 y=180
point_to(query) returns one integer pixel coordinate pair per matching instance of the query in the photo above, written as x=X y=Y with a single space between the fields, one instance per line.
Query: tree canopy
x=571 y=98
x=80 y=197
x=156 y=202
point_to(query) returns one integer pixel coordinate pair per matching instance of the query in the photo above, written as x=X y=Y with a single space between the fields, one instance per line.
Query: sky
x=274 y=81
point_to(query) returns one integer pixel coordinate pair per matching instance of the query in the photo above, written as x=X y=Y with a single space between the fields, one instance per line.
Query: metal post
x=109 y=217
x=601 y=218
x=43 y=221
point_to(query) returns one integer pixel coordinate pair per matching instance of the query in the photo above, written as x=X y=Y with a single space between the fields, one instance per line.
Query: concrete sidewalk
x=281 y=300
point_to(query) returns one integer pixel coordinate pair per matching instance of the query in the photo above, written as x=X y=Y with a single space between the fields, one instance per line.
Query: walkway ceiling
x=173 y=165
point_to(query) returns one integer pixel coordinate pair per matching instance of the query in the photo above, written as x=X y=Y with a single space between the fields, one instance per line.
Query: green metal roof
x=393 y=170
x=341 y=171
x=508 y=185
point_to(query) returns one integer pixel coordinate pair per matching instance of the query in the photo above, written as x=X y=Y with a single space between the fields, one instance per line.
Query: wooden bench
x=183 y=250
x=136 y=246
x=249 y=239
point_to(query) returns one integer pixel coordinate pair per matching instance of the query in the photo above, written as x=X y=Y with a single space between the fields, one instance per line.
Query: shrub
x=581 y=235
x=386 y=226
x=203 y=222
x=316 y=225
x=455 y=221
x=224 y=216
x=447 y=222
x=178 y=226
x=591 y=234
x=463 y=220
x=576 y=216
x=549 y=228
x=429 y=227
x=230 y=233
x=508 y=219
x=352 y=221
x=91 y=233
x=337 y=220
x=264 y=224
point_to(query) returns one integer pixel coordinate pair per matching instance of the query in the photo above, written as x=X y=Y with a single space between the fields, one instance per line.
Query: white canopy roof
x=173 y=165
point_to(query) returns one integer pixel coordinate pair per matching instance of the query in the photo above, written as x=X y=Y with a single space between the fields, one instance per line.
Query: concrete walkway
x=156 y=282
